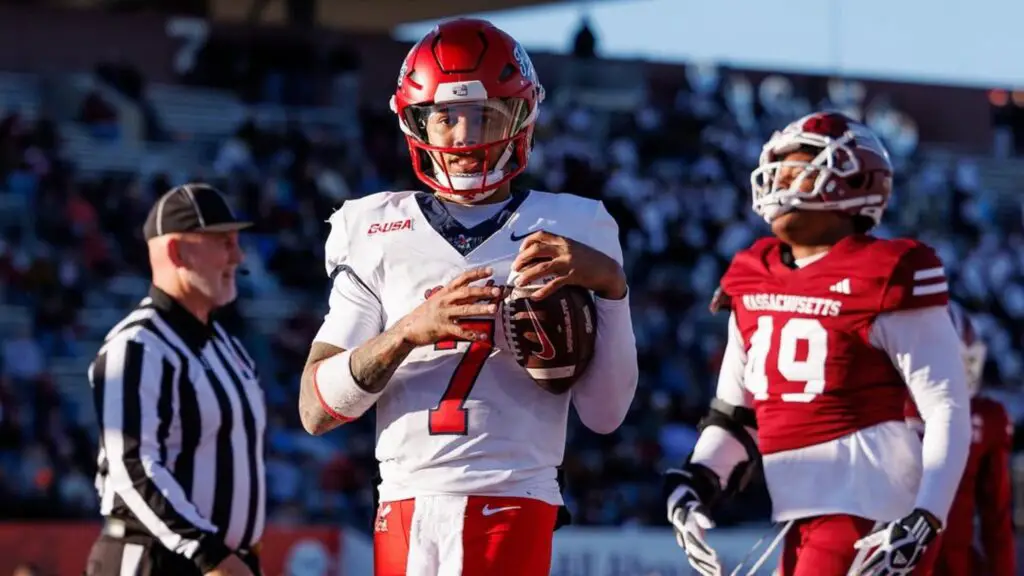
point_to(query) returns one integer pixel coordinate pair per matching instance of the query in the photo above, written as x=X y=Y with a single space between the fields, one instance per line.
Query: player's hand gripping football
x=438 y=317
x=898 y=546
x=690 y=520
x=568 y=262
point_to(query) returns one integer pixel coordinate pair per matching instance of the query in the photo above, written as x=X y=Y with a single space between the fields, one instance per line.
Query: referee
x=181 y=412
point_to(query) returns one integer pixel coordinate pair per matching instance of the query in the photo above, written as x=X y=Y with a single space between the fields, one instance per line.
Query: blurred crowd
x=674 y=173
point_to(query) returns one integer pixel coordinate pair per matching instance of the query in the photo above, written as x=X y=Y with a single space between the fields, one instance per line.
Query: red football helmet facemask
x=972 y=348
x=851 y=172
x=467 y=99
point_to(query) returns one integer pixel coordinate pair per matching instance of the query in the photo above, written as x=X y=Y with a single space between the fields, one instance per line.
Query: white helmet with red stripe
x=972 y=348
x=850 y=169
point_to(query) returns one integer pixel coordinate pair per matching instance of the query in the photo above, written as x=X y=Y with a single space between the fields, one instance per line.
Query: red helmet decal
x=831 y=125
x=459 y=50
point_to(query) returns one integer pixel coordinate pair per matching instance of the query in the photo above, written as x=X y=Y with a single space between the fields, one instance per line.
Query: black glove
x=688 y=492
x=898 y=546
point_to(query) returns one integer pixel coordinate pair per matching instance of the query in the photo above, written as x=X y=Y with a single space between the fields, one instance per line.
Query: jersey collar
x=781 y=258
x=189 y=328
x=465 y=240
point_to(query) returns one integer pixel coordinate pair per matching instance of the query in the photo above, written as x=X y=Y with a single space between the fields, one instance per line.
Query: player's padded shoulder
x=917 y=278
x=372 y=206
x=758 y=251
x=562 y=203
x=744 y=266
x=350 y=222
x=586 y=220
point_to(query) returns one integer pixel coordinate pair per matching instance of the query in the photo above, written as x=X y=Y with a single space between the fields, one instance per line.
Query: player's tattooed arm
x=354 y=381
x=314 y=418
x=374 y=363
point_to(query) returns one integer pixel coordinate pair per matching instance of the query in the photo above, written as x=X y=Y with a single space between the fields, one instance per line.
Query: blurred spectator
x=100 y=116
x=23 y=361
x=121 y=76
x=584 y=45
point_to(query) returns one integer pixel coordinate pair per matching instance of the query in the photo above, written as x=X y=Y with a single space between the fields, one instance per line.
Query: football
x=554 y=338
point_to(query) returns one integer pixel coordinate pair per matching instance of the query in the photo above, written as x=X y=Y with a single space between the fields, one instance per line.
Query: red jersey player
x=985 y=487
x=830 y=328
x=467 y=443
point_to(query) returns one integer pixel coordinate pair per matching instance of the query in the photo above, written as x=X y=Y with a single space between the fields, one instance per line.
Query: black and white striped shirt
x=182 y=419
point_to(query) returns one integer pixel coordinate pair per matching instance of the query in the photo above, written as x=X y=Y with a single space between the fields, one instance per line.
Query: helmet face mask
x=467 y=146
x=843 y=167
x=467 y=100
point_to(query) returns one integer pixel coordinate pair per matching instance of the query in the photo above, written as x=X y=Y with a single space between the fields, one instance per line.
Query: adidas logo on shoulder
x=841 y=287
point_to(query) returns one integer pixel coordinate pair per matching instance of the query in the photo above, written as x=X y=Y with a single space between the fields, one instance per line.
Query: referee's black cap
x=191 y=208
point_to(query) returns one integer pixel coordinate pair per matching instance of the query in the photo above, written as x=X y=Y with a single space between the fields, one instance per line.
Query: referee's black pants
x=144 y=556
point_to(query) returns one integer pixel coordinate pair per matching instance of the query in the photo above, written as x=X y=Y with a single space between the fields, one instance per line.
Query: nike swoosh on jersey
x=488 y=511
x=521 y=236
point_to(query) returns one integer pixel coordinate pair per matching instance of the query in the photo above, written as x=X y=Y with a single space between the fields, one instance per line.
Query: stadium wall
x=157 y=45
x=326 y=551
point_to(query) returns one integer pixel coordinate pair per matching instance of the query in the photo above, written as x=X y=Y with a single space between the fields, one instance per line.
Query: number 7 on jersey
x=450 y=415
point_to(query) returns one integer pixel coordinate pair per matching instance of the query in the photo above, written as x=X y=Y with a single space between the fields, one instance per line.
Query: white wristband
x=337 y=390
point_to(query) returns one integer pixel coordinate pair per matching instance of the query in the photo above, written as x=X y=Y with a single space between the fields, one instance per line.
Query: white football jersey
x=458 y=417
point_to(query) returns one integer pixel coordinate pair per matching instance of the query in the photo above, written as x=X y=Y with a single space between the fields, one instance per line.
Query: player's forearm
x=339 y=386
x=719 y=447
x=374 y=363
x=945 y=448
x=720 y=451
x=925 y=348
x=315 y=419
x=941 y=397
x=604 y=393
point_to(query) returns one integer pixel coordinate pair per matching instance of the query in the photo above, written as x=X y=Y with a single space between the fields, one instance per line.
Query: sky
x=963 y=42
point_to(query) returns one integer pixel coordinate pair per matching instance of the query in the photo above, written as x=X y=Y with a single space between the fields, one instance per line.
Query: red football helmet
x=467 y=99
x=852 y=171
x=972 y=348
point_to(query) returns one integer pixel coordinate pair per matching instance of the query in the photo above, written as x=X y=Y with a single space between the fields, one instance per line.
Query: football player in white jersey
x=467 y=443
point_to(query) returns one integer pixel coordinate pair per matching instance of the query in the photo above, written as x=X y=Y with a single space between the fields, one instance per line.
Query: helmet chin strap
x=772 y=211
x=484 y=185
x=466 y=196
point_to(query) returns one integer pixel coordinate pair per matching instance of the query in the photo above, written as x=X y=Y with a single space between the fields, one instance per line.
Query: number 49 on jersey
x=802 y=345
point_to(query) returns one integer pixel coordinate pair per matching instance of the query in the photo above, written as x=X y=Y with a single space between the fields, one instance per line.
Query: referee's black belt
x=129 y=531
